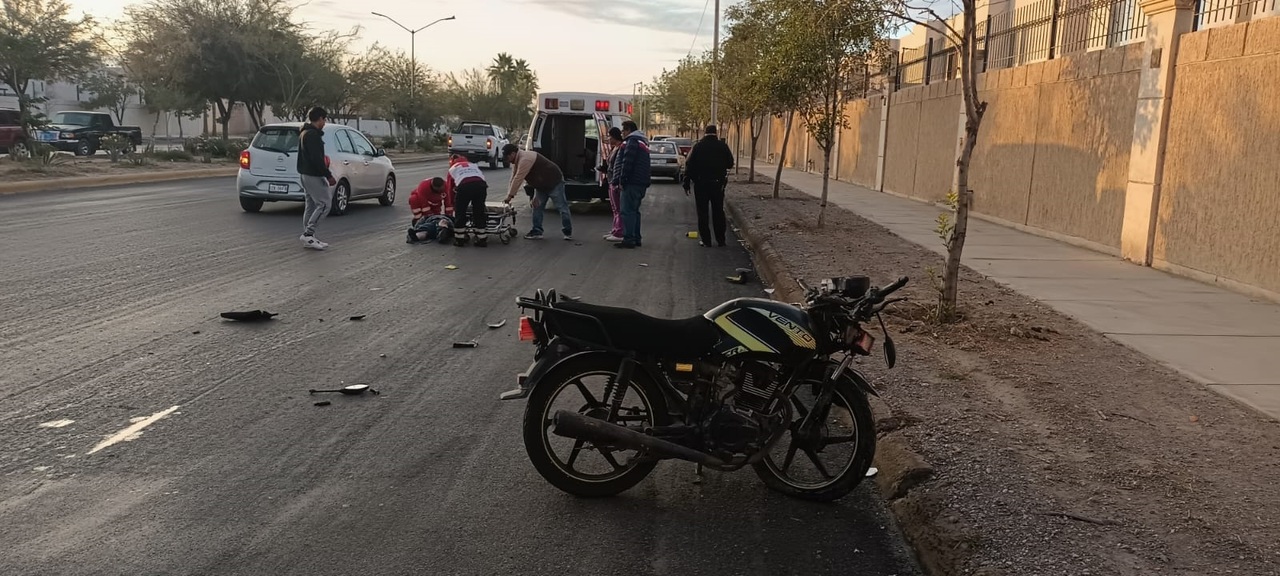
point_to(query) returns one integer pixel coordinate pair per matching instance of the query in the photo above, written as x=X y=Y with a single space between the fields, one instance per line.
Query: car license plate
x=47 y=136
x=278 y=188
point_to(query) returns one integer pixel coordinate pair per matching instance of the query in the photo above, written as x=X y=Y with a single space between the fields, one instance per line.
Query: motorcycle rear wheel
x=849 y=425
x=584 y=374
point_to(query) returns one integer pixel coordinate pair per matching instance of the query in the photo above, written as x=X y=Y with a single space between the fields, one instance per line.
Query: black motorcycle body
x=722 y=389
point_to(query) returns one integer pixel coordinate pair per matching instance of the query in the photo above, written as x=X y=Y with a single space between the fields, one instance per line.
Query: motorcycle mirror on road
x=352 y=390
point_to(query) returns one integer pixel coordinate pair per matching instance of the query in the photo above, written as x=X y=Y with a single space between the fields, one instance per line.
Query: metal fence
x=1218 y=12
x=1042 y=30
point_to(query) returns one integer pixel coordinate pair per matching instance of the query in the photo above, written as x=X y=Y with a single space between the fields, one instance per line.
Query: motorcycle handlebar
x=890 y=289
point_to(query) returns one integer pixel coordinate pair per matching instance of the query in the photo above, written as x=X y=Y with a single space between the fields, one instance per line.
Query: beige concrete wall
x=936 y=141
x=1053 y=151
x=864 y=173
x=851 y=145
x=901 y=141
x=1219 y=204
x=795 y=146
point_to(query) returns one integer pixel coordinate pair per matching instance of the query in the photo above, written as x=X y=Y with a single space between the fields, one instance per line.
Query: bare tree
x=965 y=40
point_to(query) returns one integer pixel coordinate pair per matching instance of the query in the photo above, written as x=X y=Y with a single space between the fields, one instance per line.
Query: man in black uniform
x=707 y=169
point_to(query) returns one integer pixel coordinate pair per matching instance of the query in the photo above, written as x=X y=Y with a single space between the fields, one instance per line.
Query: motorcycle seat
x=628 y=329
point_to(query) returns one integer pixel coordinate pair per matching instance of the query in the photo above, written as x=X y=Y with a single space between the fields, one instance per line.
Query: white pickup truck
x=479 y=142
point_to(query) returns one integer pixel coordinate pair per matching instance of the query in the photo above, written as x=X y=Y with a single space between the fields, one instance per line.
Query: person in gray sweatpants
x=317 y=180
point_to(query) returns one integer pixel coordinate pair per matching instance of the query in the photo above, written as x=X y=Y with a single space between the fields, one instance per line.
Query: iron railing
x=1216 y=12
x=1041 y=30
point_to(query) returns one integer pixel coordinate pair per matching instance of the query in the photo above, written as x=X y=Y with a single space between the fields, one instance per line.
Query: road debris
x=451 y=267
x=352 y=390
x=250 y=316
x=357 y=317
x=467 y=344
x=498 y=325
x=323 y=403
x=643 y=265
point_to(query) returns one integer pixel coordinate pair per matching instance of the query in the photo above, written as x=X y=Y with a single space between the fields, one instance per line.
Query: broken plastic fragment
x=358 y=317
x=467 y=344
x=250 y=316
x=451 y=267
x=498 y=325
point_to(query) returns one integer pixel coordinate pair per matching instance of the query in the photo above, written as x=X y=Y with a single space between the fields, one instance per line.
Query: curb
x=902 y=470
x=82 y=182
x=420 y=159
x=79 y=182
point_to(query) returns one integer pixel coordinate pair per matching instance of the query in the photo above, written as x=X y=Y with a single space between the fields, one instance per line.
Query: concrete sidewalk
x=1225 y=340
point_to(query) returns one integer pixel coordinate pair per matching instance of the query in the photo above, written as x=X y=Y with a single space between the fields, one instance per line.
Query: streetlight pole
x=413 y=59
x=715 y=65
x=640 y=86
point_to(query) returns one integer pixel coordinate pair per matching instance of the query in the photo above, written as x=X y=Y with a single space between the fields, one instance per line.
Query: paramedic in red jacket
x=467 y=183
x=432 y=197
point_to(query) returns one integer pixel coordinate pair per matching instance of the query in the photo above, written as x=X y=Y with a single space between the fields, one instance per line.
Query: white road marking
x=133 y=431
x=56 y=423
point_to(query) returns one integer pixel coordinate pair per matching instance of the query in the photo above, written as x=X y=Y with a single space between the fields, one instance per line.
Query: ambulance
x=572 y=130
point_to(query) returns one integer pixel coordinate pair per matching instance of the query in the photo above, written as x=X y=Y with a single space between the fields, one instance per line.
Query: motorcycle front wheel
x=829 y=462
x=588 y=385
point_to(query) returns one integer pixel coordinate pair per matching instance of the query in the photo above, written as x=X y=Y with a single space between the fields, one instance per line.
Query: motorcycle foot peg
x=520 y=391
x=516 y=394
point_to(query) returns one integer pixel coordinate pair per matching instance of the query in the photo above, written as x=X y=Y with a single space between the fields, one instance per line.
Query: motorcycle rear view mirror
x=352 y=390
x=890 y=351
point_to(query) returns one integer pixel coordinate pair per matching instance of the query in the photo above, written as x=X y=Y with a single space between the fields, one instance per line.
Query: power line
x=699 y=31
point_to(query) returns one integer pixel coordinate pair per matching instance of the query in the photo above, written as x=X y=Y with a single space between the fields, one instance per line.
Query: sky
x=584 y=45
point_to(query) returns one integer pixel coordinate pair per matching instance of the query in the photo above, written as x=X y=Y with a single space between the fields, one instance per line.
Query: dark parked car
x=13 y=139
x=82 y=132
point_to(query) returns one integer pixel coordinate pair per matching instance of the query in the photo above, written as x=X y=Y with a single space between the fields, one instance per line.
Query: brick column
x=1167 y=21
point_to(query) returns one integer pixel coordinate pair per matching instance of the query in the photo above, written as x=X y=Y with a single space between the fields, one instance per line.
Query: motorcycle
x=753 y=382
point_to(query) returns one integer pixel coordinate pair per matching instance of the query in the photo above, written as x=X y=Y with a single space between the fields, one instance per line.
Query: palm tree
x=503 y=71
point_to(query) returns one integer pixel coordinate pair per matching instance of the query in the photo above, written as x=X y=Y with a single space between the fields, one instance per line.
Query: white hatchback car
x=269 y=168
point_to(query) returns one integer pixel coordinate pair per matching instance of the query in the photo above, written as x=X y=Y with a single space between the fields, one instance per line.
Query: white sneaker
x=312 y=243
x=612 y=238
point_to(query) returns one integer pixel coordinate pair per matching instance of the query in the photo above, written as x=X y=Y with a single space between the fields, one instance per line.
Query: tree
x=683 y=95
x=745 y=84
x=109 y=90
x=965 y=41
x=158 y=100
x=473 y=95
x=827 y=43
x=222 y=51
x=38 y=41
x=308 y=71
x=517 y=87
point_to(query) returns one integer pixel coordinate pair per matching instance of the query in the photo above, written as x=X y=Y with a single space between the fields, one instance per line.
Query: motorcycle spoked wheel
x=579 y=467
x=798 y=467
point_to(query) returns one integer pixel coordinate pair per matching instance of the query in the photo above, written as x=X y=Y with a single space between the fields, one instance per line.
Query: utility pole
x=715 y=66
x=413 y=63
x=634 y=87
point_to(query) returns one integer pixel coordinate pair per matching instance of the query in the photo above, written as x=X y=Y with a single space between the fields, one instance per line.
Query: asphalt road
x=111 y=300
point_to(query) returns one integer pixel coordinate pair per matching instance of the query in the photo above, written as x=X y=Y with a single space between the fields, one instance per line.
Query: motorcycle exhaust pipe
x=580 y=427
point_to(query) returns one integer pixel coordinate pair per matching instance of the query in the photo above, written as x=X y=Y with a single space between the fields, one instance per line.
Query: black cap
x=317 y=113
x=615 y=133
x=510 y=149
x=711 y=128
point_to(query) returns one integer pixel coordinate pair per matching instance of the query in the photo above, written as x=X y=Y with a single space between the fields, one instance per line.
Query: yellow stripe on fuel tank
x=684 y=367
x=742 y=336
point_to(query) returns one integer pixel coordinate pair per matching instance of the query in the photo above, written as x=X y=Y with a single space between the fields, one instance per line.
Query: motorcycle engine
x=742 y=424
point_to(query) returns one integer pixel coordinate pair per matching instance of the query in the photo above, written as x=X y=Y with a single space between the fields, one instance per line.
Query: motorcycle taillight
x=526 y=329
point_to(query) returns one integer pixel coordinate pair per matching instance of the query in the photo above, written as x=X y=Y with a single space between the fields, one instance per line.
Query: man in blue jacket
x=630 y=172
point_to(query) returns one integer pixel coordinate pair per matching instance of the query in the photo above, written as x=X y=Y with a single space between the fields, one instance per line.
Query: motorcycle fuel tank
x=761 y=326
